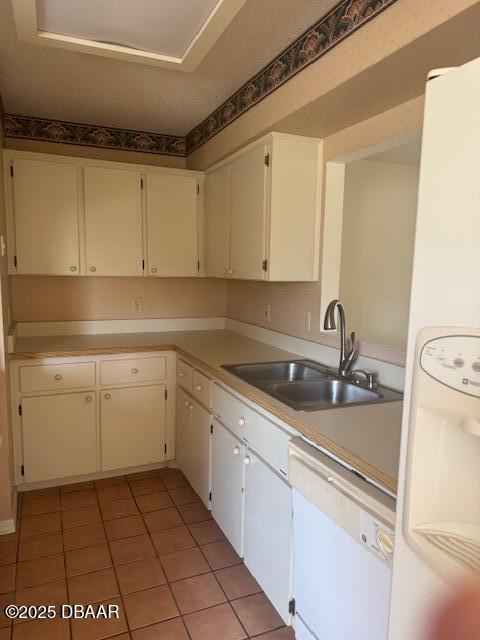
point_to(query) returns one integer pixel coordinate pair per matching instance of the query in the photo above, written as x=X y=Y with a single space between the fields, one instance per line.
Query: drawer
x=266 y=438
x=48 y=377
x=202 y=388
x=184 y=375
x=132 y=370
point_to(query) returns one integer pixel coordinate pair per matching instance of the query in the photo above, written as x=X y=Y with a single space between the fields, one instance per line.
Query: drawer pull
x=241 y=422
x=93 y=269
x=181 y=374
x=154 y=269
x=88 y=398
x=134 y=371
x=191 y=407
x=107 y=396
x=246 y=460
x=73 y=268
x=199 y=387
x=230 y=272
x=236 y=451
x=58 y=377
x=187 y=403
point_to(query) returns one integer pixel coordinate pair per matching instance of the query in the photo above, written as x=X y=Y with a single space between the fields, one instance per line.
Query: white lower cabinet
x=193 y=444
x=228 y=454
x=132 y=426
x=59 y=436
x=268 y=531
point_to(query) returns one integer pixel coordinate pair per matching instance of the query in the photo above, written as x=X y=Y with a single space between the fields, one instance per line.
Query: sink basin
x=314 y=395
x=268 y=372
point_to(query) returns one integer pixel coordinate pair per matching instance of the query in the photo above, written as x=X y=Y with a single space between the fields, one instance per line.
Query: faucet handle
x=370 y=378
x=349 y=359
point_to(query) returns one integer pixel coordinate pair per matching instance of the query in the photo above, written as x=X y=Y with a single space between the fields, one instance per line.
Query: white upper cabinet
x=268 y=196
x=172 y=224
x=113 y=222
x=45 y=204
x=217 y=223
x=248 y=181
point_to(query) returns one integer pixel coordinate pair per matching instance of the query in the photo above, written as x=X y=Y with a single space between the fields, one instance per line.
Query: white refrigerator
x=438 y=509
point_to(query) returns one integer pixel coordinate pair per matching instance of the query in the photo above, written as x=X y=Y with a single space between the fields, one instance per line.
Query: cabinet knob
x=88 y=398
x=236 y=451
x=73 y=268
x=187 y=403
x=107 y=396
x=93 y=269
x=241 y=422
x=154 y=269
x=230 y=271
x=199 y=387
x=181 y=374
x=246 y=460
x=224 y=272
x=58 y=377
x=191 y=407
x=134 y=371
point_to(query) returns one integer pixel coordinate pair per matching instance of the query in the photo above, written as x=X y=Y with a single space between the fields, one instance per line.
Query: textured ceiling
x=58 y=84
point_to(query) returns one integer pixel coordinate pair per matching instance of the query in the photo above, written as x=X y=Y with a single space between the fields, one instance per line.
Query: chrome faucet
x=347 y=356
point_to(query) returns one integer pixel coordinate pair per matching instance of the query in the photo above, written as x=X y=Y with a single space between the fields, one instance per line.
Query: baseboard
x=10 y=525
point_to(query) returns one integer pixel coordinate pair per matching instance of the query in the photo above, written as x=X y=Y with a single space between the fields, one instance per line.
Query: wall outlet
x=137 y=305
x=267 y=313
x=307 y=320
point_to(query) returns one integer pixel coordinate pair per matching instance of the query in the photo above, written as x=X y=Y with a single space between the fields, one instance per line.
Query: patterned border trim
x=92 y=136
x=335 y=26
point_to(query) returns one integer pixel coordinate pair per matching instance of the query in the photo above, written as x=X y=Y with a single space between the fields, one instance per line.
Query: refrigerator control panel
x=454 y=361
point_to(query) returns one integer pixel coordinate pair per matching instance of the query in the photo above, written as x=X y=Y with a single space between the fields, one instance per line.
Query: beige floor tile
x=184 y=495
x=88 y=559
x=77 y=499
x=220 y=554
x=32 y=525
x=55 y=629
x=86 y=536
x=172 y=540
x=184 y=564
x=149 y=606
x=139 y=575
x=50 y=593
x=46 y=504
x=119 y=509
x=79 y=517
x=39 y=493
x=131 y=549
x=43 y=544
x=7 y=577
x=206 y=532
x=198 y=592
x=93 y=587
x=89 y=629
x=237 y=581
x=173 y=629
x=40 y=570
x=154 y=501
x=219 y=622
x=8 y=551
x=113 y=492
x=124 y=527
x=162 y=519
x=175 y=481
x=196 y=512
x=146 y=486
x=257 y=614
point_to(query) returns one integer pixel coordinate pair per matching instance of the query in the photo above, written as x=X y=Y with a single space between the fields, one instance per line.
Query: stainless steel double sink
x=308 y=386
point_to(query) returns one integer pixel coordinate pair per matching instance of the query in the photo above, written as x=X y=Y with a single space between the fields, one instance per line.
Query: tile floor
x=144 y=542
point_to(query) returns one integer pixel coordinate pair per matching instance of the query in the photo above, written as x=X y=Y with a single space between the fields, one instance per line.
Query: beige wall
x=55 y=298
x=6 y=467
x=379 y=212
x=289 y=301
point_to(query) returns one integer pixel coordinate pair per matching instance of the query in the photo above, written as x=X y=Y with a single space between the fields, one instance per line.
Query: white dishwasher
x=343 y=547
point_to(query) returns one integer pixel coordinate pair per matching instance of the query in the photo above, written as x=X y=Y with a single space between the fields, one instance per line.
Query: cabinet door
x=113 y=222
x=217 y=223
x=45 y=198
x=268 y=532
x=248 y=180
x=132 y=426
x=200 y=456
x=183 y=432
x=59 y=436
x=227 y=495
x=172 y=225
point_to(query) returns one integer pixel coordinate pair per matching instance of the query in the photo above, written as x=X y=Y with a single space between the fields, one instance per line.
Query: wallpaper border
x=339 y=23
